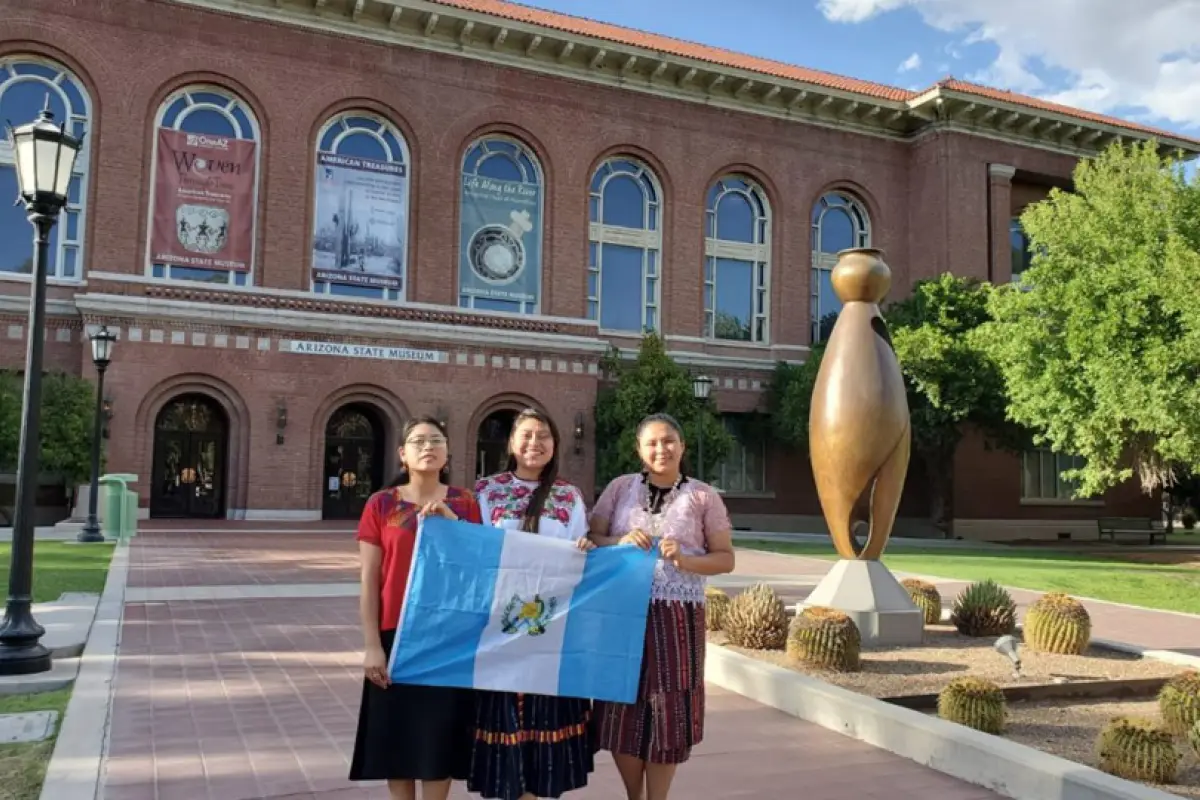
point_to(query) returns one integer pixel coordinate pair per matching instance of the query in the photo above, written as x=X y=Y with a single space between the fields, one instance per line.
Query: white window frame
x=468 y=301
x=76 y=119
x=646 y=239
x=1059 y=463
x=727 y=420
x=825 y=262
x=385 y=126
x=234 y=101
x=757 y=253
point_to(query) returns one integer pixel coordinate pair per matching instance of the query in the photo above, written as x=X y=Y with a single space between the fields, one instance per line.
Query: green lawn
x=61 y=567
x=1101 y=576
x=23 y=766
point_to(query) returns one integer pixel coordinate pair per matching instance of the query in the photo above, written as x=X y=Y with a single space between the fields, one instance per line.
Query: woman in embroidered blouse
x=407 y=733
x=687 y=521
x=528 y=746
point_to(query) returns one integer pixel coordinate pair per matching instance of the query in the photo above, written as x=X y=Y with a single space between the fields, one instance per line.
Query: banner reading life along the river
x=203 y=201
x=361 y=227
x=500 y=239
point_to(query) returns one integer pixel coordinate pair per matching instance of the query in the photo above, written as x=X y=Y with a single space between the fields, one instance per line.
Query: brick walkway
x=238 y=699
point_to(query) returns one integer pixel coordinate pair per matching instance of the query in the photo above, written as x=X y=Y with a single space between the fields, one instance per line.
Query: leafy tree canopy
x=650 y=384
x=68 y=411
x=1099 y=344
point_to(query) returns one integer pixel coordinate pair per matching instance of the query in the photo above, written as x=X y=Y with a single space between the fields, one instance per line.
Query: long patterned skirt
x=528 y=743
x=667 y=720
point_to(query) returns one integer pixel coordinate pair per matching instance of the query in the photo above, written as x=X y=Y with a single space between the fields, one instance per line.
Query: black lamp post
x=45 y=155
x=103 y=341
x=701 y=388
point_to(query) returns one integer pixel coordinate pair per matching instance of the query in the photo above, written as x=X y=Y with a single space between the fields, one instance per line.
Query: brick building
x=454 y=207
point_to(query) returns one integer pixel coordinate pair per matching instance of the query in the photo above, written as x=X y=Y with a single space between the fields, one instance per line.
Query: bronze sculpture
x=859 y=431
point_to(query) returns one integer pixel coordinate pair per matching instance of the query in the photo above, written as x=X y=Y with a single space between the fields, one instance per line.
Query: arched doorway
x=354 y=459
x=491 y=442
x=191 y=439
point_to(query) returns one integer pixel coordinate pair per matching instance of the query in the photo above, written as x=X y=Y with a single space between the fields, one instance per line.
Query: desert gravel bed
x=1069 y=730
x=947 y=654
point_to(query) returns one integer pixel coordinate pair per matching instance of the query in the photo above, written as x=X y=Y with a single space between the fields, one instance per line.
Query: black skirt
x=408 y=732
x=530 y=744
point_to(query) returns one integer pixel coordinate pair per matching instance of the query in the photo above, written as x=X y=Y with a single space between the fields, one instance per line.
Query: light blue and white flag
x=488 y=608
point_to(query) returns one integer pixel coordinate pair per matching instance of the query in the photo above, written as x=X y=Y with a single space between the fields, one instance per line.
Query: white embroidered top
x=503 y=499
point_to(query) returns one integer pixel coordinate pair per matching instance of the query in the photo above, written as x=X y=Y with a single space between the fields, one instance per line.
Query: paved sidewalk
x=243 y=697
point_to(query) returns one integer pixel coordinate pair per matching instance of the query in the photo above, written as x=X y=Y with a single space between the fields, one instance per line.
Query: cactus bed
x=1069 y=730
x=947 y=654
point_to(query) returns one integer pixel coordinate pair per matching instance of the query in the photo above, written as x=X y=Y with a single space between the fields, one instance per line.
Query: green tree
x=649 y=384
x=789 y=398
x=1099 y=344
x=68 y=411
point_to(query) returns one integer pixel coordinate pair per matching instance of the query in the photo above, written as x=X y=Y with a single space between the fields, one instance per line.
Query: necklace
x=668 y=497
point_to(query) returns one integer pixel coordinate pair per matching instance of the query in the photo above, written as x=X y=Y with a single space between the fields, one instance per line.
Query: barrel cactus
x=1137 y=749
x=756 y=619
x=1179 y=702
x=716 y=606
x=984 y=608
x=926 y=597
x=826 y=639
x=1059 y=624
x=974 y=702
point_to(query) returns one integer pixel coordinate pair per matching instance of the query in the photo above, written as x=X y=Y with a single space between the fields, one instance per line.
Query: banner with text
x=500 y=239
x=203 y=201
x=361 y=231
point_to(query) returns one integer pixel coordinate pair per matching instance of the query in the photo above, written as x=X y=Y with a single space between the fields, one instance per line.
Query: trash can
x=120 y=506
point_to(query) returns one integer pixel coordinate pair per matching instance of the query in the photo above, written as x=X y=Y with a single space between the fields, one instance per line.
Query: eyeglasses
x=420 y=443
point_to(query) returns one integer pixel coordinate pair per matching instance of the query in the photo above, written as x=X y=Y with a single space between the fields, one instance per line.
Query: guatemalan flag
x=488 y=608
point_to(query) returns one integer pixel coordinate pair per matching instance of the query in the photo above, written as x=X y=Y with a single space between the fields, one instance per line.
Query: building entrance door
x=353 y=461
x=491 y=448
x=191 y=437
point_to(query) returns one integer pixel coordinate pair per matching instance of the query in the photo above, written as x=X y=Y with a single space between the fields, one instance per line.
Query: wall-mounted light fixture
x=578 y=432
x=106 y=415
x=442 y=416
x=280 y=420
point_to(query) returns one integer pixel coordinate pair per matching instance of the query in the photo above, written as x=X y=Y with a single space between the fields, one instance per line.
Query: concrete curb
x=74 y=772
x=1005 y=767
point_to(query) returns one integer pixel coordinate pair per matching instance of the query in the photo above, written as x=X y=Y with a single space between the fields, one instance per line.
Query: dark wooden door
x=491 y=448
x=191 y=437
x=353 y=461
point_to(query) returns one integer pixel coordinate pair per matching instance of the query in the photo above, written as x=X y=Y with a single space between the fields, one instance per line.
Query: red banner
x=203 y=201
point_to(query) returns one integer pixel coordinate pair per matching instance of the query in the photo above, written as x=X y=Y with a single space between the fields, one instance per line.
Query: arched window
x=839 y=222
x=204 y=195
x=26 y=83
x=737 y=258
x=1022 y=250
x=360 y=208
x=500 y=227
x=624 y=243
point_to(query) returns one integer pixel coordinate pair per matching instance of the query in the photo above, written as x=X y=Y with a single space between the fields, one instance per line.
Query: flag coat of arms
x=504 y=610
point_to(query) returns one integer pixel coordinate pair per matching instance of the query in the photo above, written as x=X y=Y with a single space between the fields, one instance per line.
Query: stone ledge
x=1005 y=767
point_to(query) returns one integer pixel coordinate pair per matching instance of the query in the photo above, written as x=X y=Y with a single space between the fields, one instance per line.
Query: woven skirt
x=408 y=732
x=667 y=720
x=530 y=744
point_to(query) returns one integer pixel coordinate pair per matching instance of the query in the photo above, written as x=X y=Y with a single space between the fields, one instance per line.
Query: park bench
x=1112 y=527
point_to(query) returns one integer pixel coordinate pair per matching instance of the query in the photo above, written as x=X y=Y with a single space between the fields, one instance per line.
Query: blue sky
x=1139 y=61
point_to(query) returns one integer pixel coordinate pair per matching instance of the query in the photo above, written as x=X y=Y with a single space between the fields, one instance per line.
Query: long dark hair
x=537 y=502
x=403 y=477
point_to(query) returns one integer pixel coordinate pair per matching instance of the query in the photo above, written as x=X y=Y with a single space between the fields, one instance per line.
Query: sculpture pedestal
x=870 y=595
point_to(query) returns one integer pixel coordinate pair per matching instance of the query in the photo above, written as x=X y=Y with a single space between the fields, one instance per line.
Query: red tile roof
x=667 y=45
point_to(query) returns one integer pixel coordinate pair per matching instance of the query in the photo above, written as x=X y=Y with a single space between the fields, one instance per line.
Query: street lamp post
x=701 y=388
x=103 y=341
x=45 y=159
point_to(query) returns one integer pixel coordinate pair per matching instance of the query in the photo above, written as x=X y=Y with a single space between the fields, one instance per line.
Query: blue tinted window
x=734 y=299
x=621 y=289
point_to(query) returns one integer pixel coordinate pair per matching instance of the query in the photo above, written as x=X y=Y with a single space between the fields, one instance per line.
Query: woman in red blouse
x=407 y=733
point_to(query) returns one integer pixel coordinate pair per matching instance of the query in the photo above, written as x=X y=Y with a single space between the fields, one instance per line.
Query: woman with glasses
x=531 y=746
x=407 y=734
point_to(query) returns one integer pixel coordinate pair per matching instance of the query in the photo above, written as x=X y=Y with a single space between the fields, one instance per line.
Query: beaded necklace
x=668 y=497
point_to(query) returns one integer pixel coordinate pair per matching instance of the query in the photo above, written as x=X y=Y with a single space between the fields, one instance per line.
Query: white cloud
x=1116 y=54
x=910 y=63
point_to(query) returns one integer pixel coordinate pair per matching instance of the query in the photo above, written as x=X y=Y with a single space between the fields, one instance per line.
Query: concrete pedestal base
x=870 y=594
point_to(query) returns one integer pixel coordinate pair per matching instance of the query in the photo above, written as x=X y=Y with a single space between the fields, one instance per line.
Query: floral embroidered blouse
x=695 y=512
x=503 y=499
x=390 y=523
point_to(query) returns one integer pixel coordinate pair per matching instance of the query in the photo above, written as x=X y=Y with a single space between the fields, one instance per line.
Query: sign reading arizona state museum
x=366 y=351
